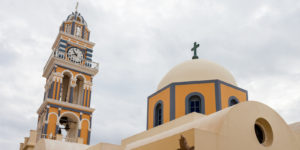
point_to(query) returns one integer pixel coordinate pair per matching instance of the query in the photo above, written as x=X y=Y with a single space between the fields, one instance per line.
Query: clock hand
x=74 y=52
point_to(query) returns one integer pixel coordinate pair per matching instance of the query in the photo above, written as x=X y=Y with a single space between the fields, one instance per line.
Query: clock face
x=75 y=55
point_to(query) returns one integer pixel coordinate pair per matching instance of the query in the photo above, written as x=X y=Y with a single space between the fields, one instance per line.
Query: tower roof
x=196 y=70
x=76 y=16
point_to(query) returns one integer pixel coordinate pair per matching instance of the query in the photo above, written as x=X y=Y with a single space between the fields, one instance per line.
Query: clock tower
x=65 y=111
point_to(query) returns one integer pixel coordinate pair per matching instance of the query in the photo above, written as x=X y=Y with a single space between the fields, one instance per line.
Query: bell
x=63 y=120
x=59 y=130
x=67 y=127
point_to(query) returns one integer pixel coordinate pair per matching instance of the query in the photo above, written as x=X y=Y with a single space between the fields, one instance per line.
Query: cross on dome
x=195 y=50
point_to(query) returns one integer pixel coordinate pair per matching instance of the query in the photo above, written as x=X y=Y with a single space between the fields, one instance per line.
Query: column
x=72 y=87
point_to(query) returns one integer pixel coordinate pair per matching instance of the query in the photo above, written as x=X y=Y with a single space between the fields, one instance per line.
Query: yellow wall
x=84 y=131
x=170 y=143
x=56 y=89
x=52 y=119
x=227 y=92
x=206 y=89
x=164 y=96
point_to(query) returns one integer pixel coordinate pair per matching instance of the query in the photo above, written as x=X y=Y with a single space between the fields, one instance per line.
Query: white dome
x=196 y=70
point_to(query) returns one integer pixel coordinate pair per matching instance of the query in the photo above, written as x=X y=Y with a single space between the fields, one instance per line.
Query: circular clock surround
x=75 y=55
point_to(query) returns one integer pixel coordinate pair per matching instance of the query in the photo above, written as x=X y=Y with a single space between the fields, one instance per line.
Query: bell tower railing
x=61 y=55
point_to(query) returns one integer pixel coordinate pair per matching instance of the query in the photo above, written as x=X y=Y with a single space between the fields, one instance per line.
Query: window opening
x=233 y=102
x=158 y=115
x=194 y=104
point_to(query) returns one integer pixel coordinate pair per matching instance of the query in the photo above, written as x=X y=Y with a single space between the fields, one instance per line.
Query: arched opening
x=232 y=101
x=78 y=91
x=65 y=87
x=68 y=127
x=263 y=132
x=158 y=116
x=195 y=104
x=259 y=132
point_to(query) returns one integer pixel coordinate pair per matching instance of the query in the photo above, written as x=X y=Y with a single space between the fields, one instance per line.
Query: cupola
x=76 y=25
x=195 y=85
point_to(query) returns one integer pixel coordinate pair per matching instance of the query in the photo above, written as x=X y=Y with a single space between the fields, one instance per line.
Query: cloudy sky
x=137 y=42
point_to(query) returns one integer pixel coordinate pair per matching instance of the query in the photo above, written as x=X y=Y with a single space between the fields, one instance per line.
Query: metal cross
x=195 y=50
x=76 y=8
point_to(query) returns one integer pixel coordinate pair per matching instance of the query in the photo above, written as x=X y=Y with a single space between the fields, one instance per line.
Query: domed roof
x=76 y=17
x=196 y=70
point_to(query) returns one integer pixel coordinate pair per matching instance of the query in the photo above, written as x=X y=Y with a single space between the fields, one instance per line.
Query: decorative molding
x=91 y=71
x=172 y=102
x=61 y=35
x=162 y=112
x=53 y=113
x=202 y=102
x=87 y=121
x=218 y=96
x=73 y=83
x=65 y=105
x=67 y=71
x=69 y=112
x=79 y=74
x=196 y=82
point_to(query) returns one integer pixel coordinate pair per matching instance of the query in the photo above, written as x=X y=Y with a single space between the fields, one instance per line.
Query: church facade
x=197 y=106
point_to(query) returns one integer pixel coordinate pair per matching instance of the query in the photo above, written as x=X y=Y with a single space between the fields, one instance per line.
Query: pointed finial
x=195 y=50
x=76 y=8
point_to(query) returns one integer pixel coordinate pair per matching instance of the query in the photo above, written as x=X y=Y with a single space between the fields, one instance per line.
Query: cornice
x=64 y=104
x=72 y=37
x=61 y=62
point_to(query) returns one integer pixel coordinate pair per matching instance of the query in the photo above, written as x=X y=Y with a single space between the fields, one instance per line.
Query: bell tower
x=65 y=111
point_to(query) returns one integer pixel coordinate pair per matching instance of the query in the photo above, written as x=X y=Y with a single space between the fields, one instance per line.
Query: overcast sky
x=137 y=43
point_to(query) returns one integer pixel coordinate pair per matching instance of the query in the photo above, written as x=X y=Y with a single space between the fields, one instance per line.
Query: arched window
x=232 y=101
x=78 y=31
x=195 y=103
x=158 y=114
x=65 y=87
x=78 y=91
x=68 y=28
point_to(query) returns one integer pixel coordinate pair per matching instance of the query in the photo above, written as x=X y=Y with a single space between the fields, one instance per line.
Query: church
x=197 y=106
